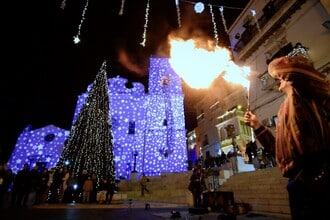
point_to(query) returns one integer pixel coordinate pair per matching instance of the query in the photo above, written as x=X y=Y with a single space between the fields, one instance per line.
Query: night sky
x=44 y=71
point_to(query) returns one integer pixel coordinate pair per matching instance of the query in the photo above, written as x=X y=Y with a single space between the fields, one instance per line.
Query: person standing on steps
x=143 y=184
x=197 y=186
x=301 y=144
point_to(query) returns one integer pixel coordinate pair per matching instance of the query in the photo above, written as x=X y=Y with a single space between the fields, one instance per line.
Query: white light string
x=199 y=7
x=178 y=12
x=215 y=31
x=218 y=6
x=299 y=50
x=145 y=27
x=63 y=4
x=121 y=12
x=223 y=19
x=76 y=39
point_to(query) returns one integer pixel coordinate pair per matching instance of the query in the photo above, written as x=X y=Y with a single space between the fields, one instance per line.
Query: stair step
x=264 y=190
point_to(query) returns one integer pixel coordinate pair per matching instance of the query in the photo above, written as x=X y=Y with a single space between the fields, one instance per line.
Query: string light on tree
x=76 y=39
x=137 y=117
x=92 y=132
x=145 y=27
x=216 y=37
x=223 y=19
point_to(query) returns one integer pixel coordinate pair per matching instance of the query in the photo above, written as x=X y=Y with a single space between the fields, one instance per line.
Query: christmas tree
x=90 y=143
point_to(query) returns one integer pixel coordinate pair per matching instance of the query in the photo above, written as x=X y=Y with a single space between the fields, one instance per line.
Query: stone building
x=264 y=30
x=148 y=127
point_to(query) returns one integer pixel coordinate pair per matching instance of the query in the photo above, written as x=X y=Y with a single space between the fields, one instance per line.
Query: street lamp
x=135 y=155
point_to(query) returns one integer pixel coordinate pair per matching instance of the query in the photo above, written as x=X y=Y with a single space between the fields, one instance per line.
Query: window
x=131 y=127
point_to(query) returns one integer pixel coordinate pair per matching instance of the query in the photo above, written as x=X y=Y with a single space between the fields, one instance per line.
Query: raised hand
x=251 y=120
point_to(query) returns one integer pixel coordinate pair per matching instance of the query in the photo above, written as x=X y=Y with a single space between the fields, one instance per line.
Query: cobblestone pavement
x=124 y=211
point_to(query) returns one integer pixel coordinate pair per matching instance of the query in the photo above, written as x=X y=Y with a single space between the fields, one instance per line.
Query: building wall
x=138 y=127
x=43 y=145
x=159 y=127
x=297 y=21
x=303 y=26
x=221 y=97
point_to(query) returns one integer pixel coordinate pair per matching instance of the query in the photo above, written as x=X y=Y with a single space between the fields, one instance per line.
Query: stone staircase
x=169 y=188
x=263 y=190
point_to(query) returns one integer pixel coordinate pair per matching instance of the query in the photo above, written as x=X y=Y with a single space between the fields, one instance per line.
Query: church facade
x=148 y=128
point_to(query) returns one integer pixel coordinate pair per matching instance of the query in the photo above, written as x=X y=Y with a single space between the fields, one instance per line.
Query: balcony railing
x=268 y=12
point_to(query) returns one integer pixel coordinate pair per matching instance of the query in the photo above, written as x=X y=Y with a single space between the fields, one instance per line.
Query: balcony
x=275 y=13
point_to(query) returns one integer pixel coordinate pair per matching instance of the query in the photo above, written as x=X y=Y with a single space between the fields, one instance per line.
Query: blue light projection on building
x=148 y=128
x=42 y=145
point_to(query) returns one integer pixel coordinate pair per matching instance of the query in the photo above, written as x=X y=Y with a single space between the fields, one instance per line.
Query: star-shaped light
x=76 y=39
x=40 y=147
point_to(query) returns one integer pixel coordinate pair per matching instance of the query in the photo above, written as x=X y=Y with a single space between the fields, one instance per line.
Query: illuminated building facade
x=42 y=146
x=148 y=128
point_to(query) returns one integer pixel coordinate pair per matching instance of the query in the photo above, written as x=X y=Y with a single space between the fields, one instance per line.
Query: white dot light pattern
x=160 y=148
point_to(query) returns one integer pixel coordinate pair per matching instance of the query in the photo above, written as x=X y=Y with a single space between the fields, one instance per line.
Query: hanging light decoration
x=199 y=7
x=178 y=12
x=121 y=12
x=145 y=27
x=63 y=4
x=76 y=39
x=299 y=50
x=215 y=30
x=223 y=19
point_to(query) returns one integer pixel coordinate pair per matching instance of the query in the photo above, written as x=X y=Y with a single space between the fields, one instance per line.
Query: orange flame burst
x=199 y=62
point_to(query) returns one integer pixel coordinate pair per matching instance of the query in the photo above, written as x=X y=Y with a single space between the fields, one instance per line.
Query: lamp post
x=135 y=155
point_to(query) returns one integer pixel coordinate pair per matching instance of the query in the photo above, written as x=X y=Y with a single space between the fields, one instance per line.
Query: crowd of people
x=257 y=155
x=300 y=146
x=56 y=185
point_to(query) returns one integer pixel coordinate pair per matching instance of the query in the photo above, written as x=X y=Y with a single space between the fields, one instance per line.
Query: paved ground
x=125 y=211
